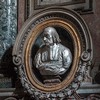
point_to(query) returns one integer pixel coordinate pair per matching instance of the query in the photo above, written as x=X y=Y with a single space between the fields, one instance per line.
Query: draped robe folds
x=53 y=60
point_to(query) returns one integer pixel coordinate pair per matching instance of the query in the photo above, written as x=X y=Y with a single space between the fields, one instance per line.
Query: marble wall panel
x=8 y=24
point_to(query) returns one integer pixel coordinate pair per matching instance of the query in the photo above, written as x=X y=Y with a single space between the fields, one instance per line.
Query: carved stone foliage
x=73 y=33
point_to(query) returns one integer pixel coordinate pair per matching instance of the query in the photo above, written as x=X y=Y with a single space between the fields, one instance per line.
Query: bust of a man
x=52 y=58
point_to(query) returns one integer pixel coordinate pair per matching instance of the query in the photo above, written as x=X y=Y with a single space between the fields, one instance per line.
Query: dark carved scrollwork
x=73 y=33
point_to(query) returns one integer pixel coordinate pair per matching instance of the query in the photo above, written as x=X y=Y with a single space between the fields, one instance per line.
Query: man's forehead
x=47 y=34
x=48 y=31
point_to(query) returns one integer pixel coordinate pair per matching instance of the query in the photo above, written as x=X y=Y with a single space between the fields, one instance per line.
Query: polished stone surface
x=8 y=24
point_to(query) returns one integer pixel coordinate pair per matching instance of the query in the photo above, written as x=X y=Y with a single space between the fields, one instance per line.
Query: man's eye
x=48 y=36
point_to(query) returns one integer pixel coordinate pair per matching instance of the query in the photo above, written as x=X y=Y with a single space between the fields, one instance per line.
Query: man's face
x=47 y=38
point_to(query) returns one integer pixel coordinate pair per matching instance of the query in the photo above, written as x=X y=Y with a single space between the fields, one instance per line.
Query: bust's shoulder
x=62 y=47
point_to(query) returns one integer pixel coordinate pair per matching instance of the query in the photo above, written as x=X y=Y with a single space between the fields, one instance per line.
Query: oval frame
x=69 y=20
x=30 y=43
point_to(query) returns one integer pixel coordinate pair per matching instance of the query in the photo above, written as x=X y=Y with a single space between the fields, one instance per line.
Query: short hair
x=53 y=32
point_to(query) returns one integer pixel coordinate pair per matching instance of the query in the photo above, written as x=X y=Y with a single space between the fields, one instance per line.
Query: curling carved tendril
x=85 y=56
x=17 y=60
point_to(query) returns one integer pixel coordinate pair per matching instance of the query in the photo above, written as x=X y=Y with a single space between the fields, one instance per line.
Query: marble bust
x=52 y=58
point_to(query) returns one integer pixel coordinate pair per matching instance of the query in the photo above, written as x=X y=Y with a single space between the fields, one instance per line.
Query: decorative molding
x=81 y=6
x=45 y=3
x=10 y=98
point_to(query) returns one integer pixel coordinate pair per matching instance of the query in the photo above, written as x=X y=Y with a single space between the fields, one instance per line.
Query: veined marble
x=8 y=24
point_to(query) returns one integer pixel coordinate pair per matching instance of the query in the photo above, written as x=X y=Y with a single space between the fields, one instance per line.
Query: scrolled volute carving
x=86 y=56
x=17 y=60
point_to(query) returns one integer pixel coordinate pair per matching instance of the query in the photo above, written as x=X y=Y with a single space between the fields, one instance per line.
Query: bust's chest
x=51 y=54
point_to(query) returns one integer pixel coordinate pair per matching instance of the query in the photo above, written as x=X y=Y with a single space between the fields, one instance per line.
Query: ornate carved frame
x=83 y=52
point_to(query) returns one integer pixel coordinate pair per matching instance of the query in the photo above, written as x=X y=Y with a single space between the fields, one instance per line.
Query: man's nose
x=44 y=38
